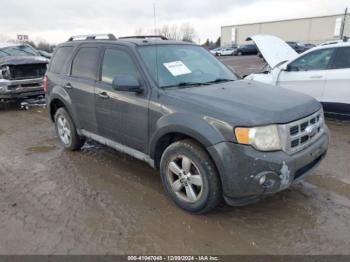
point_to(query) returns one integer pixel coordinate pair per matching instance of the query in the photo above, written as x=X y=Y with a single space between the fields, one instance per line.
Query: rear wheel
x=66 y=130
x=189 y=177
x=239 y=53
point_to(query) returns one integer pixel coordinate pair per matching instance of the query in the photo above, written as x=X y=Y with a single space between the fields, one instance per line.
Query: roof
x=340 y=44
x=128 y=42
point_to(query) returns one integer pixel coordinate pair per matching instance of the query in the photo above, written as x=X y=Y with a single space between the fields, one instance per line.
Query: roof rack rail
x=92 y=37
x=145 y=37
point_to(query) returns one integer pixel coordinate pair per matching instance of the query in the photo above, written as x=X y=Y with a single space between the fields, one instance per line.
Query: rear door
x=80 y=85
x=121 y=116
x=337 y=90
x=307 y=74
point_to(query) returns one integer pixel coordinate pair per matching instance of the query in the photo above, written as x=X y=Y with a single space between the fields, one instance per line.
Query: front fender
x=201 y=129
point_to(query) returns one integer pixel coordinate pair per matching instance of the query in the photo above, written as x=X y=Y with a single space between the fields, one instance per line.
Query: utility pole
x=155 y=18
x=343 y=24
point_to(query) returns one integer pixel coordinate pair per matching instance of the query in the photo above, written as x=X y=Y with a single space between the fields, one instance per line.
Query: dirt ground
x=98 y=201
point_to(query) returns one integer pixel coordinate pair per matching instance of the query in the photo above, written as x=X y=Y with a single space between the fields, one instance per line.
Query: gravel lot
x=98 y=201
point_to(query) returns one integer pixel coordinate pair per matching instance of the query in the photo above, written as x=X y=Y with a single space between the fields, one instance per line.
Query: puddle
x=41 y=149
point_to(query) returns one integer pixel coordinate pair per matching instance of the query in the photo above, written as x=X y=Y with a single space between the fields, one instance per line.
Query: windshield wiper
x=219 y=80
x=185 y=84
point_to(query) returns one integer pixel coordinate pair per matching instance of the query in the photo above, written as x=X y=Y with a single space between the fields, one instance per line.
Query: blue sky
x=56 y=20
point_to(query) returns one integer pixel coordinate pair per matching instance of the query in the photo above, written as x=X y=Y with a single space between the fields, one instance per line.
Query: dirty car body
x=173 y=101
x=21 y=72
x=322 y=72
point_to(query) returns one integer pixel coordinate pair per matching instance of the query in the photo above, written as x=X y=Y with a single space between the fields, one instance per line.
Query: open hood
x=273 y=49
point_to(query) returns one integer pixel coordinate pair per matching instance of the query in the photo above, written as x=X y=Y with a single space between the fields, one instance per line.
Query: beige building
x=312 y=30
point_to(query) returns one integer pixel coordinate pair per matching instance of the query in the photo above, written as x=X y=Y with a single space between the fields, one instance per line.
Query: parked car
x=246 y=50
x=322 y=72
x=309 y=46
x=45 y=54
x=226 y=52
x=21 y=72
x=298 y=46
x=210 y=134
x=216 y=51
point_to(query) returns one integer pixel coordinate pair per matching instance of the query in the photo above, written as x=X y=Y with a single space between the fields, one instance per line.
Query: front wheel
x=189 y=177
x=66 y=130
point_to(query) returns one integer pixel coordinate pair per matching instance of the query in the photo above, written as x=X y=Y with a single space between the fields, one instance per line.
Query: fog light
x=262 y=180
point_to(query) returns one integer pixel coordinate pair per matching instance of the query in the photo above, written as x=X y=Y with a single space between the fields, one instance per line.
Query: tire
x=239 y=53
x=74 y=141
x=203 y=170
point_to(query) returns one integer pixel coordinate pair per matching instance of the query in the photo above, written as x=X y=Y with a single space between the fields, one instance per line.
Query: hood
x=246 y=103
x=273 y=49
x=22 y=60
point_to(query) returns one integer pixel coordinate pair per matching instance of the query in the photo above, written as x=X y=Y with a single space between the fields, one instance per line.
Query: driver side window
x=316 y=60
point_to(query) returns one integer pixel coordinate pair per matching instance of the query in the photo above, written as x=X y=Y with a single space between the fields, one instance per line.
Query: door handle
x=315 y=77
x=103 y=95
x=68 y=86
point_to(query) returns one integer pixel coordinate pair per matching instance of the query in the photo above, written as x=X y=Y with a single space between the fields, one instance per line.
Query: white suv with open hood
x=322 y=72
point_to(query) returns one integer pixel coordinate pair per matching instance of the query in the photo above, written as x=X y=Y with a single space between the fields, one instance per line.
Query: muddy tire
x=66 y=130
x=190 y=178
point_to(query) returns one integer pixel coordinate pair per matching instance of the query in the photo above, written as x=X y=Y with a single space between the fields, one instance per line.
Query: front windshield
x=21 y=50
x=184 y=65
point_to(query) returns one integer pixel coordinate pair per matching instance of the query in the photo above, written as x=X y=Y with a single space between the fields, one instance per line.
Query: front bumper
x=20 y=89
x=242 y=166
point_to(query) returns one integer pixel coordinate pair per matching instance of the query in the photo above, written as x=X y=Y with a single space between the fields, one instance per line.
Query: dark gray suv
x=172 y=104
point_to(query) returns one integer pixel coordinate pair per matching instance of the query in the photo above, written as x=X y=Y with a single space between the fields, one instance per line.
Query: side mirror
x=127 y=83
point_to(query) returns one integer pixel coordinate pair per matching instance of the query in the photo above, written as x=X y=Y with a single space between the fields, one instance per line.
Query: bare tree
x=4 y=38
x=187 y=32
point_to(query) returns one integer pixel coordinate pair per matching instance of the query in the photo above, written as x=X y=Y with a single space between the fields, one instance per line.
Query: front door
x=307 y=74
x=336 y=97
x=122 y=116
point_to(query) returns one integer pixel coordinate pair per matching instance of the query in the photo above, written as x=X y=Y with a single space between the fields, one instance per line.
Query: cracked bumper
x=241 y=166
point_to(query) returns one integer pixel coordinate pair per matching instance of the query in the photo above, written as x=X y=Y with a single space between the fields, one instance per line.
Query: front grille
x=22 y=86
x=20 y=72
x=302 y=133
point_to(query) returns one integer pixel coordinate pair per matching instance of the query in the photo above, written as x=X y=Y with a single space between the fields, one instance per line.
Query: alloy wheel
x=64 y=130
x=185 y=179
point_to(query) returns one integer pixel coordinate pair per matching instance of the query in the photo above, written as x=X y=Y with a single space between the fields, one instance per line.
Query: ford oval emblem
x=311 y=131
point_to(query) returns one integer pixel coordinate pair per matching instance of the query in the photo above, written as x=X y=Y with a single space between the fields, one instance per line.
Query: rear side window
x=85 y=63
x=342 y=60
x=117 y=63
x=60 y=58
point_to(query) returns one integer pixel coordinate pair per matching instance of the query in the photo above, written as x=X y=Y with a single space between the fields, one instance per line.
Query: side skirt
x=119 y=147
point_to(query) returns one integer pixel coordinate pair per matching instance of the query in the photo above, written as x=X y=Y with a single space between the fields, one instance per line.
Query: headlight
x=264 y=138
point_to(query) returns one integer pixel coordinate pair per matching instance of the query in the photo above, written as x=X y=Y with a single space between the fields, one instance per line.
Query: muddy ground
x=98 y=201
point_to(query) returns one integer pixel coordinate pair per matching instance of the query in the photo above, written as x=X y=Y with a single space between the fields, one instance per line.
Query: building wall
x=311 y=30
